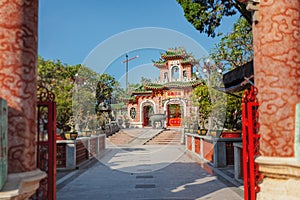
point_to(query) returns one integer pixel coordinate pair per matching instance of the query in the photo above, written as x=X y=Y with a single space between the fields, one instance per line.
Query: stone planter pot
x=88 y=133
x=127 y=124
x=186 y=130
x=94 y=132
x=70 y=135
x=195 y=131
x=99 y=131
x=59 y=137
x=215 y=133
x=202 y=131
x=231 y=134
x=120 y=122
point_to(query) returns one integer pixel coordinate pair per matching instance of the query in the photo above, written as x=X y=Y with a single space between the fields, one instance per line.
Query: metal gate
x=46 y=143
x=250 y=143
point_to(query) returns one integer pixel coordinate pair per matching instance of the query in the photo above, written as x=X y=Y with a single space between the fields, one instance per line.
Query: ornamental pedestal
x=22 y=185
x=281 y=178
x=18 y=62
x=276 y=42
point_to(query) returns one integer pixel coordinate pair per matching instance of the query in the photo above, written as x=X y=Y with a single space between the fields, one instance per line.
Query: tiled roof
x=159 y=64
x=174 y=84
x=175 y=53
x=141 y=91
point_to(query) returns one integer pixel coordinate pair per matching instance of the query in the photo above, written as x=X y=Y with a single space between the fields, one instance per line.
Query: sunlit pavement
x=147 y=172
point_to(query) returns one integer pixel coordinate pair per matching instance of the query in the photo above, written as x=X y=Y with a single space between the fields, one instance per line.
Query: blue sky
x=71 y=30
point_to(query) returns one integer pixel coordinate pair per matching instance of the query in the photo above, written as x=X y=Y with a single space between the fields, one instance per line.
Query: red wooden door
x=146 y=117
x=46 y=144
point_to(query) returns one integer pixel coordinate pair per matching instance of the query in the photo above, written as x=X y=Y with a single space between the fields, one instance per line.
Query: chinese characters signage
x=174 y=94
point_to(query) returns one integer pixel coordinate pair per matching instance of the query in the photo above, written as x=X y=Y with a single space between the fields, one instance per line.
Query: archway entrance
x=147 y=112
x=174 y=112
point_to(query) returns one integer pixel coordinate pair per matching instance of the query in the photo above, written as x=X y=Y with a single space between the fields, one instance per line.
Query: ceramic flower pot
x=71 y=135
x=231 y=134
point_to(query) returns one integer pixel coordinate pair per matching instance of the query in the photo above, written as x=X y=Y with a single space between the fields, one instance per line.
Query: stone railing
x=71 y=153
x=238 y=160
x=218 y=151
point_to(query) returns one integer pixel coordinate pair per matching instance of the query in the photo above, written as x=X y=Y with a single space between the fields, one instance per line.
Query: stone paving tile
x=119 y=175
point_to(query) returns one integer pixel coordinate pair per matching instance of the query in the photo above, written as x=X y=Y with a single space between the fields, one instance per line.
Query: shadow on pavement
x=181 y=179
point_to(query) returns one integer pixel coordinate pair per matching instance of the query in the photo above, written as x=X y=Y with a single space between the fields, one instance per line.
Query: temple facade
x=169 y=95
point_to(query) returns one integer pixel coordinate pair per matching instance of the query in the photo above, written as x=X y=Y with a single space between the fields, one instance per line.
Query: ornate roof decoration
x=146 y=92
x=141 y=91
x=175 y=53
x=175 y=84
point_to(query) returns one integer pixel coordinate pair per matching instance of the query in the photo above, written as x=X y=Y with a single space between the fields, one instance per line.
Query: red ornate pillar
x=18 y=63
x=277 y=74
x=276 y=37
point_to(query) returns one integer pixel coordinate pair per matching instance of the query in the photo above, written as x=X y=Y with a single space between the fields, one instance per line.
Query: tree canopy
x=59 y=79
x=235 y=48
x=104 y=91
x=206 y=15
x=77 y=90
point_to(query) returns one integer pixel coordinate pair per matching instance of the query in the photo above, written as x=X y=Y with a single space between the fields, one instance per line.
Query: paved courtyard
x=147 y=172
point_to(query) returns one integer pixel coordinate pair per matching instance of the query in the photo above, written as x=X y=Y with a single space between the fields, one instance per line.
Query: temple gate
x=170 y=94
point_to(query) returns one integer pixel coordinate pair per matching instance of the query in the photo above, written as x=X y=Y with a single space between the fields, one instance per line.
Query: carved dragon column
x=276 y=37
x=18 y=75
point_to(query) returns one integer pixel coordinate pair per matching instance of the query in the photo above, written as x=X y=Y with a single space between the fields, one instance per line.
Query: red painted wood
x=208 y=150
x=189 y=142
x=250 y=143
x=46 y=148
x=197 y=145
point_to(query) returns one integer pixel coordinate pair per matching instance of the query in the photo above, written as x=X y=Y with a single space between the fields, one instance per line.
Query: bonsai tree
x=200 y=98
x=102 y=119
x=233 y=111
x=186 y=122
x=127 y=121
x=104 y=92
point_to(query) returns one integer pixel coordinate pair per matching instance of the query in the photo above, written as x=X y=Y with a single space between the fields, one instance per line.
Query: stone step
x=119 y=138
x=166 y=137
x=170 y=139
x=165 y=142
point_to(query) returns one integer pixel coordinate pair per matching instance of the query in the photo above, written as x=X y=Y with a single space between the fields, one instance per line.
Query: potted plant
x=127 y=121
x=72 y=134
x=186 y=122
x=90 y=124
x=231 y=134
x=233 y=118
x=202 y=131
x=201 y=99
x=120 y=121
